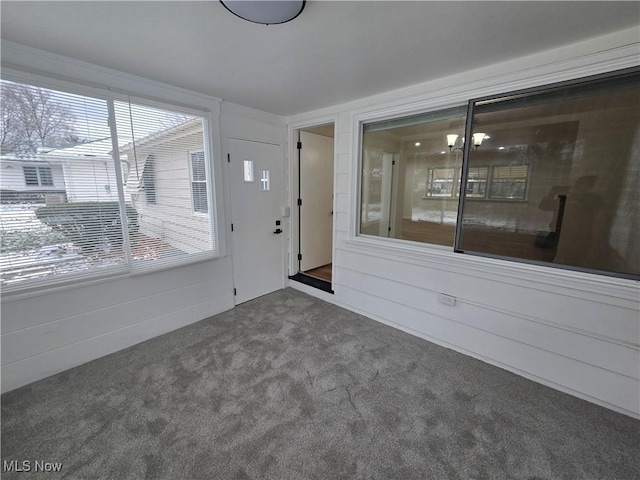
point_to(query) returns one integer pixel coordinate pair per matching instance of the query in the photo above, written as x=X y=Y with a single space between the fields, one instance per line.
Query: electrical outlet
x=447 y=299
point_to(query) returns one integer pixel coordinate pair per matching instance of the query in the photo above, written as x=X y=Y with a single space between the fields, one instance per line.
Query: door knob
x=277 y=231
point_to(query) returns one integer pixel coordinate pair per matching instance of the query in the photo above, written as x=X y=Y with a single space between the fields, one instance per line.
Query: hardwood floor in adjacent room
x=323 y=272
x=479 y=239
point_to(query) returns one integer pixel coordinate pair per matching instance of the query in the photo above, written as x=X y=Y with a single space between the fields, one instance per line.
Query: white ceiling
x=332 y=53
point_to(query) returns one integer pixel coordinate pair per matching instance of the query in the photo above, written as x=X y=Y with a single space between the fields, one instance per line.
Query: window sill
x=35 y=291
x=481 y=199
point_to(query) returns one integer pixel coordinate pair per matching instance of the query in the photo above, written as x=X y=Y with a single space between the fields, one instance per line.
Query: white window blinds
x=78 y=202
x=199 y=182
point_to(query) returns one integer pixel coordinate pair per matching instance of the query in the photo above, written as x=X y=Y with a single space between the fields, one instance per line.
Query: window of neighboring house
x=103 y=226
x=38 y=176
x=198 y=182
x=149 y=180
x=566 y=170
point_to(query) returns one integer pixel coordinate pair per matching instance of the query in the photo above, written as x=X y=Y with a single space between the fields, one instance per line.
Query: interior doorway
x=314 y=256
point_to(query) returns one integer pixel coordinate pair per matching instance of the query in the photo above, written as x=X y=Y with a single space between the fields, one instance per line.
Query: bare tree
x=32 y=118
x=9 y=131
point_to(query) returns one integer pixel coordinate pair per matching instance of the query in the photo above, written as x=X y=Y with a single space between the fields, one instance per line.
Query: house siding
x=90 y=180
x=172 y=218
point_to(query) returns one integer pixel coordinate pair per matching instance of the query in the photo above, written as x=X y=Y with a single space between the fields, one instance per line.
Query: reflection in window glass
x=564 y=176
x=477 y=182
x=442 y=182
x=411 y=178
x=509 y=182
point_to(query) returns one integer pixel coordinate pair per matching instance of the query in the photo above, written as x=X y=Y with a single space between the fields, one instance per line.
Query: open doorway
x=314 y=256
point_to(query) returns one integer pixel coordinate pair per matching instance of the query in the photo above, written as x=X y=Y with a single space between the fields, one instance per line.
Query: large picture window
x=568 y=159
x=122 y=199
x=552 y=176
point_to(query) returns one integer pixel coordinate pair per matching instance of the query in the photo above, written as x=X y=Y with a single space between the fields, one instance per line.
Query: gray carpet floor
x=289 y=387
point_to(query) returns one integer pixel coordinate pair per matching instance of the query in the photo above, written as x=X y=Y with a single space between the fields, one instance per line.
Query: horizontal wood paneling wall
x=46 y=334
x=576 y=332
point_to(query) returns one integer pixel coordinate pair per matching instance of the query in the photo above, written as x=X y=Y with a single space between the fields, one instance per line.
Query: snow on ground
x=38 y=261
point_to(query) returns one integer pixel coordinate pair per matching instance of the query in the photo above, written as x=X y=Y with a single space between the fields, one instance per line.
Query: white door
x=316 y=191
x=256 y=199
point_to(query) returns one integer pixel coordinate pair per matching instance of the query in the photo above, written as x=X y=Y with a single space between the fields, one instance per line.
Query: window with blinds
x=81 y=199
x=198 y=182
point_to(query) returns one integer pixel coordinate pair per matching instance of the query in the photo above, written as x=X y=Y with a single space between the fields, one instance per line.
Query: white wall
x=577 y=332
x=46 y=334
x=51 y=331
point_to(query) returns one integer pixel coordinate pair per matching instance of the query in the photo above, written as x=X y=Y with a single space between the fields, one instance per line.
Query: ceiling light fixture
x=266 y=12
x=477 y=141
x=418 y=144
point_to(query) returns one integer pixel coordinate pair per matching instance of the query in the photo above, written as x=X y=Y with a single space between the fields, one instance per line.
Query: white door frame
x=292 y=185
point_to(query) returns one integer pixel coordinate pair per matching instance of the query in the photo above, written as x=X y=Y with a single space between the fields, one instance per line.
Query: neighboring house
x=82 y=173
x=89 y=171
x=31 y=179
x=168 y=188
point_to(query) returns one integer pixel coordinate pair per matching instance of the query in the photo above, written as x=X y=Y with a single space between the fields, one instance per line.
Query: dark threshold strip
x=312 y=282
